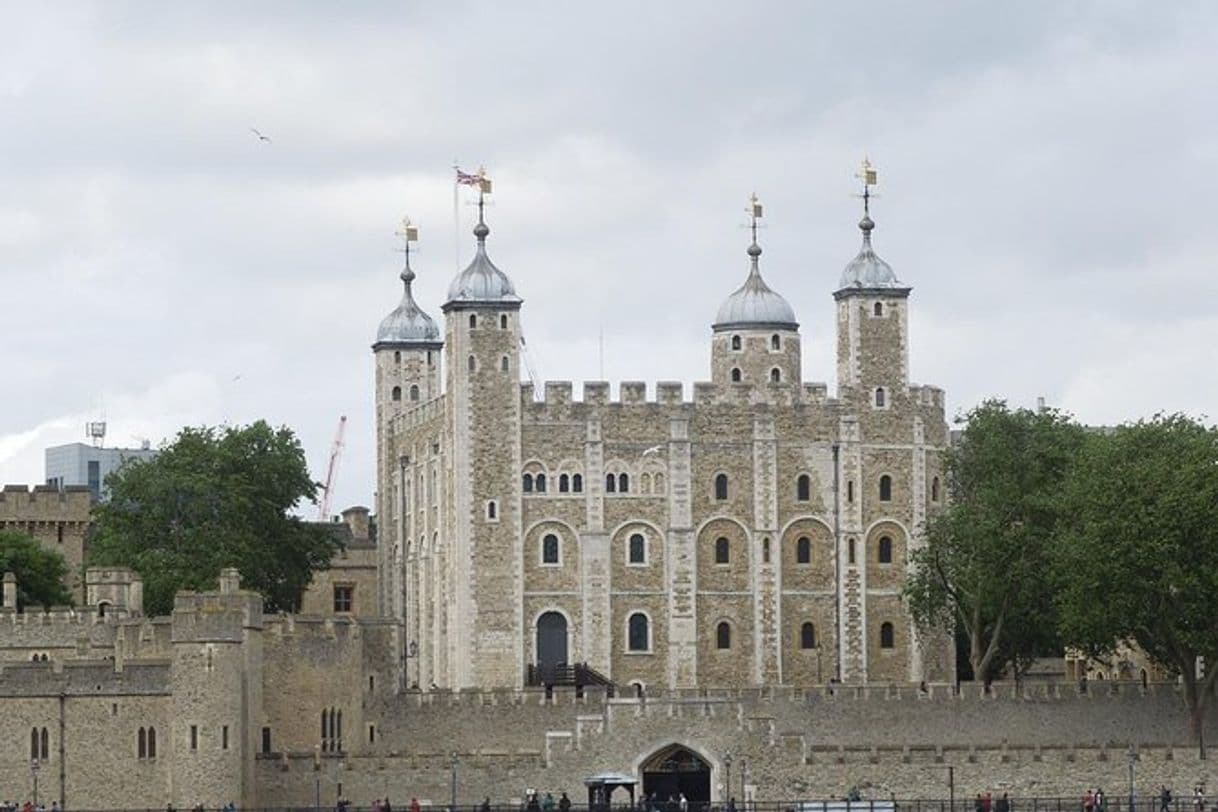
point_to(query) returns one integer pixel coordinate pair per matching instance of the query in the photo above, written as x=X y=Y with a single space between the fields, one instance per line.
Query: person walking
x=683 y=803
x=1164 y=798
x=564 y=803
x=1003 y=805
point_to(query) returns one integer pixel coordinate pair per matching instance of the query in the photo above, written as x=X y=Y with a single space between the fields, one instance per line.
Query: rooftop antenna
x=96 y=431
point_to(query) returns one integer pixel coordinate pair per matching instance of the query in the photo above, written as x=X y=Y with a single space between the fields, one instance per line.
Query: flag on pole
x=466 y=179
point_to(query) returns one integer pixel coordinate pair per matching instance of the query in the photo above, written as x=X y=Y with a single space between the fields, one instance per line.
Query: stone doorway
x=551 y=641
x=674 y=770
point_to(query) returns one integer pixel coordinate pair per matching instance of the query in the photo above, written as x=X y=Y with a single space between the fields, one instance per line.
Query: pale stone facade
x=775 y=521
x=58 y=519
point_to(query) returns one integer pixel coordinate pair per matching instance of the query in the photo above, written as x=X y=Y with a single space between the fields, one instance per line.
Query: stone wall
x=59 y=520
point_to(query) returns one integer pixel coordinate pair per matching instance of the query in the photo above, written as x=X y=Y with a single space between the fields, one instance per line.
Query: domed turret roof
x=407 y=324
x=754 y=304
x=867 y=271
x=481 y=282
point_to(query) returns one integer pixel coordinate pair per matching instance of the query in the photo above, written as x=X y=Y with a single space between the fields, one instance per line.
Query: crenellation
x=632 y=392
x=596 y=393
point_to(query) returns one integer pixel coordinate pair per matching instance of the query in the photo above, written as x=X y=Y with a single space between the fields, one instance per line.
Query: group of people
x=985 y=803
x=28 y=806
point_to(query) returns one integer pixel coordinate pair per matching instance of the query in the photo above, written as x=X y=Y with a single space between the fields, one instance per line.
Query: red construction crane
x=336 y=451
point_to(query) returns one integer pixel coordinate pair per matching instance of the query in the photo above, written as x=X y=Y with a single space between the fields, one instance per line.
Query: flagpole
x=456 y=222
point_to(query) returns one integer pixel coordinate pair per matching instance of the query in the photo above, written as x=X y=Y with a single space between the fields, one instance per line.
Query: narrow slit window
x=803 y=488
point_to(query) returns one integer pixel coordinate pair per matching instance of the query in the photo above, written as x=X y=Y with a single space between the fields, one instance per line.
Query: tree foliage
x=40 y=572
x=1139 y=558
x=985 y=562
x=215 y=498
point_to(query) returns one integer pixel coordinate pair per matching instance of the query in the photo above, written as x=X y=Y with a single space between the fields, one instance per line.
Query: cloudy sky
x=1047 y=172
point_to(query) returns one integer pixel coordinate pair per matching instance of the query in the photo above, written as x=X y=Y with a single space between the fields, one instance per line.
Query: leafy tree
x=40 y=572
x=986 y=556
x=1139 y=559
x=215 y=498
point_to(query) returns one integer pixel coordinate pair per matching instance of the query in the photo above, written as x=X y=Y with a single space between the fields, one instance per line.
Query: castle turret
x=756 y=337
x=407 y=352
x=482 y=335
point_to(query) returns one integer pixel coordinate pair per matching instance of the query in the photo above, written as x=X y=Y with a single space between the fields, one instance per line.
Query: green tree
x=986 y=556
x=1139 y=559
x=40 y=572
x=215 y=498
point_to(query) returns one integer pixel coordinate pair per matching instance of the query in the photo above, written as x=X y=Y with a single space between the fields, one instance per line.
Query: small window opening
x=492 y=510
x=526 y=483
x=610 y=483
x=638 y=549
x=879 y=398
x=397 y=393
x=735 y=342
x=735 y=375
x=807 y=636
x=471 y=363
x=723 y=551
x=885 y=550
x=503 y=321
x=224 y=737
x=473 y=320
x=803 y=488
x=723 y=635
x=775 y=342
x=765 y=550
x=266 y=740
x=886 y=635
x=850 y=551
x=775 y=375
x=879 y=309
x=885 y=488
x=549 y=549
x=850 y=491
x=577 y=483
x=414 y=393
x=504 y=364
x=152 y=742
x=934 y=489
x=397 y=356
x=541 y=483
x=721 y=487
x=803 y=550
x=564 y=483
x=623 y=483
x=194 y=737
x=638 y=633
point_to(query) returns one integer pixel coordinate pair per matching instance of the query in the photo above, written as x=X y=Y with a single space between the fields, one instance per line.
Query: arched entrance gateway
x=674 y=770
x=551 y=642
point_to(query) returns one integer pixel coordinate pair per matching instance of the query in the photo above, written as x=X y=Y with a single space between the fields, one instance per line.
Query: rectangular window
x=95 y=479
x=266 y=740
x=343 y=597
x=224 y=738
x=194 y=737
x=371 y=734
x=59 y=533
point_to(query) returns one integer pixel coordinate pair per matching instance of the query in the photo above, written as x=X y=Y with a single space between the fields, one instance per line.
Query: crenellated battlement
x=927 y=395
x=45 y=503
x=420 y=414
x=96 y=677
x=561 y=395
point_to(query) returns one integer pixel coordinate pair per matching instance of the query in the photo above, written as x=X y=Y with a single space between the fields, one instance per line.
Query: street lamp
x=453 y=765
x=1133 y=756
x=35 y=766
x=727 y=765
x=744 y=773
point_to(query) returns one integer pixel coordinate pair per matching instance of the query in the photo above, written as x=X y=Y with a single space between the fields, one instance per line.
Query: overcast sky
x=1047 y=175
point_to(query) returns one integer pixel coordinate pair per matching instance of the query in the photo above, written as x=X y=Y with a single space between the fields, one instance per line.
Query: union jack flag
x=466 y=179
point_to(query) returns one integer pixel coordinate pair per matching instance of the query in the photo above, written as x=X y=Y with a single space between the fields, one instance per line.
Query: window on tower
x=623 y=483
x=526 y=483
x=879 y=398
x=723 y=635
x=736 y=342
x=637 y=633
x=397 y=356
x=885 y=488
x=723 y=551
x=503 y=321
x=504 y=364
x=887 y=635
x=803 y=488
x=396 y=393
x=807 y=636
x=803 y=550
x=735 y=374
x=638 y=549
x=775 y=342
x=541 y=483
x=934 y=489
x=473 y=320
x=414 y=392
x=471 y=363
x=884 y=553
x=549 y=549
x=721 y=487
x=564 y=483
x=879 y=309
x=577 y=483
x=775 y=375
x=610 y=483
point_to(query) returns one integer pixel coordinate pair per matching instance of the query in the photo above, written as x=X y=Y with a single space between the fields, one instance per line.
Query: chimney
x=1040 y=404
x=9 y=596
x=230 y=581
x=357 y=519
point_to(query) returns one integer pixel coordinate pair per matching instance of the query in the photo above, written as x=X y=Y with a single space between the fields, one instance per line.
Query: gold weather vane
x=867 y=175
x=754 y=212
x=408 y=232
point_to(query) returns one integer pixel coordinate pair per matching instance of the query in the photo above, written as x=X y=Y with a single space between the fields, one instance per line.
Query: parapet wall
x=45 y=503
x=81 y=678
x=560 y=394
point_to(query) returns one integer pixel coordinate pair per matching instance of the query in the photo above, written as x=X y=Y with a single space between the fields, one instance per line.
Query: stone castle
x=756 y=535
x=730 y=566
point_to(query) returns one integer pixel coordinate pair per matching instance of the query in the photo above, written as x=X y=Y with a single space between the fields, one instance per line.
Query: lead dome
x=867 y=271
x=407 y=324
x=755 y=304
x=481 y=282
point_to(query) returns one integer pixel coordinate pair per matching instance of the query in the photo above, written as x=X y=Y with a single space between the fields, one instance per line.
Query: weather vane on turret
x=867 y=175
x=754 y=212
x=408 y=233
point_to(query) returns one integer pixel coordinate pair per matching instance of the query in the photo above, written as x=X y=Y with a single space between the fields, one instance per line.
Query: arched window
x=492 y=510
x=414 y=392
x=721 y=487
x=44 y=739
x=638 y=549
x=638 y=633
x=775 y=375
x=396 y=394
x=504 y=364
x=735 y=342
x=430 y=361
x=471 y=364
x=623 y=483
x=549 y=549
x=645 y=483
x=775 y=342
x=397 y=356
x=885 y=488
x=659 y=483
x=879 y=309
x=735 y=374
x=526 y=482
x=564 y=483
x=473 y=320
x=885 y=550
x=33 y=743
x=886 y=635
x=503 y=321
x=934 y=489
x=577 y=483
x=850 y=551
x=850 y=491
x=803 y=488
x=879 y=397
x=152 y=742
x=807 y=636
x=142 y=743
x=723 y=551
x=610 y=483
x=803 y=550
x=765 y=550
x=723 y=635
x=540 y=482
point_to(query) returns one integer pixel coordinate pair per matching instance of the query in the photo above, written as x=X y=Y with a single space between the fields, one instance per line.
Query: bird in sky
x=261 y=137
x=655 y=449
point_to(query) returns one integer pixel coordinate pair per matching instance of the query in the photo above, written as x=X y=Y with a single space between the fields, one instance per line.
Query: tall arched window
x=723 y=551
x=503 y=321
x=504 y=364
x=397 y=356
x=775 y=375
x=564 y=483
x=735 y=374
x=721 y=487
x=541 y=483
x=879 y=398
x=610 y=483
x=577 y=483
x=638 y=633
x=492 y=510
x=549 y=549
x=886 y=635
x=879 y=309
x=638 y=549
x=142 y=743
x=526 y=483
x=803 y=488
x=807 y=636
x=471 y=363
x=414 y=392
x=885 y=488
x=803 y=550
x=850 y=491
x=885 y=550
x=152 y=742
x=396 y=393
x=934 y=489
x=735 y=342
x=723 y=635
x=765 y=550
x=45 y=740
x=850 y=551
x=775 y=342
x=473 y=320
x=623 y=483
x=33 y=743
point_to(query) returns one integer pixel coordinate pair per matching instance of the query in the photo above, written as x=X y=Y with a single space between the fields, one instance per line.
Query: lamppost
x=1132 y=758
x=727 y=766
x=744 y=774
x=453 y=765
x=951 y=787
x=35 y=766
